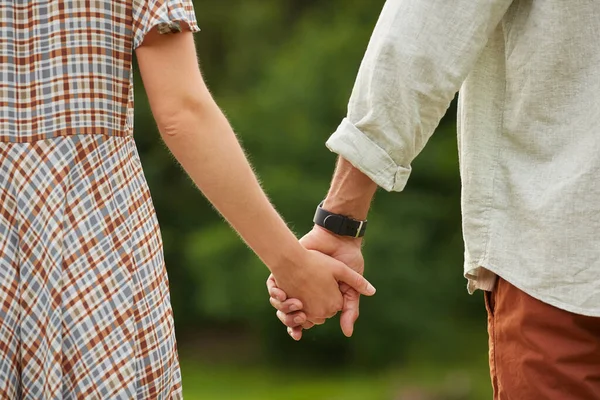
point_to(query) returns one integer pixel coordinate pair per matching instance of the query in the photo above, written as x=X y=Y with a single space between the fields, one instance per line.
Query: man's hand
x=290 y=309
x=325 y=285
x=350 y=194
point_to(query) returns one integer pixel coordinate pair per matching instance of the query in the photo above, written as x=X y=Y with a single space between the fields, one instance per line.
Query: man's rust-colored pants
x=540 y=352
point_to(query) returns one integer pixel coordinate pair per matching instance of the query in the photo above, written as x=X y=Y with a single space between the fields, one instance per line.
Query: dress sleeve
x=169 y=16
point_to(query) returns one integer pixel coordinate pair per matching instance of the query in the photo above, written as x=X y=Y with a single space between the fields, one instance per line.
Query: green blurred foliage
x=415 y=382
x=283 y=71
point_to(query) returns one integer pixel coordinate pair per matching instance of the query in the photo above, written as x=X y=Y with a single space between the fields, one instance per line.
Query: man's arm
x=419 y=55
x=351 y=192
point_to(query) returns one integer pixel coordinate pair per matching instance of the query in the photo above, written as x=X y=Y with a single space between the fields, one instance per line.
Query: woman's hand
x=290 y=310
x=314 y=279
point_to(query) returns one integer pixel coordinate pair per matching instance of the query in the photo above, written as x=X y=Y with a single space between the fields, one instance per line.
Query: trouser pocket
x=490 y=301
x=490 y=306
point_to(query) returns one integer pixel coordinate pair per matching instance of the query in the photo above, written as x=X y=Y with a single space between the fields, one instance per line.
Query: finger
x=318 y=321
x=307 y=325
x=288 y=306
x=350 y=311
x=347 y=275
x=274 y=291
x=292 y=320
x=295 y=333
x=278 y=294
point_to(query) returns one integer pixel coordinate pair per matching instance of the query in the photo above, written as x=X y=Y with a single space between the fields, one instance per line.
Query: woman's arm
x=200 y=137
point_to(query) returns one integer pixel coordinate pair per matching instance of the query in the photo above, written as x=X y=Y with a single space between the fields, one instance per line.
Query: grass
x=238 y=383
x=247 y=383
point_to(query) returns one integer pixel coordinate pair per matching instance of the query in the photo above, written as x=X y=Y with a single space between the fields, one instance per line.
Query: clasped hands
x=329 y=281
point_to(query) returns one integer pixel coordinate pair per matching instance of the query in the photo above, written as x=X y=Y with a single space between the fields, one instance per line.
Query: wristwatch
x=339 y=224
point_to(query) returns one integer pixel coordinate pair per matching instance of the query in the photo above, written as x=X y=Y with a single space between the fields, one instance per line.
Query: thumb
x=355 y=280
x=350 y=310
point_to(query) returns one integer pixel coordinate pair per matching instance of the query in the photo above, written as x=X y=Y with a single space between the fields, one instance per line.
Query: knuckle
x=359 y=282
x=290 y=307
x=302 y=316
x=289 y=321
x=336 y=306
x=318 y=314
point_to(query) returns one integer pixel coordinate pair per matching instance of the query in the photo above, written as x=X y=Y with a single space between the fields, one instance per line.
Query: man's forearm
x=351 y=191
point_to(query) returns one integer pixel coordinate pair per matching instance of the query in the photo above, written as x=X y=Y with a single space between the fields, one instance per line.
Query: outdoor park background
x=283 y=71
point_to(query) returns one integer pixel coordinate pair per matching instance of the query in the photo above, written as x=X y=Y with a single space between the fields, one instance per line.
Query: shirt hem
x=473 y=266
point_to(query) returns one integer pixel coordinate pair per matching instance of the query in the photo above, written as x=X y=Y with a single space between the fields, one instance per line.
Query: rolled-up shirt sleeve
x=419 y=55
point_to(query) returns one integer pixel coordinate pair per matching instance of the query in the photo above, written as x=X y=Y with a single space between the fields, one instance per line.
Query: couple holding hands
x=84 y=292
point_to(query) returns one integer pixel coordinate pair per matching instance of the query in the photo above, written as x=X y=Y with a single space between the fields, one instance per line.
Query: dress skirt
x=84 y=299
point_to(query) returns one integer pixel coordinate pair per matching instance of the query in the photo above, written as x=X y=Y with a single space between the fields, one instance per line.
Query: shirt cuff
x=367 y=156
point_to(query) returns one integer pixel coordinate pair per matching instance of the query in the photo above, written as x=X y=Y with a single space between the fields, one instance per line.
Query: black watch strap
x=339 y=224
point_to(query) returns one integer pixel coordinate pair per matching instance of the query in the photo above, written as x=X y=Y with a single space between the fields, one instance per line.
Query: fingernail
x=294 y=308
x=298 y=320
x=371 y=289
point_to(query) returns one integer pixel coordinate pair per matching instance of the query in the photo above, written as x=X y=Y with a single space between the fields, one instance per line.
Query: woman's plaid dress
x=84 y=299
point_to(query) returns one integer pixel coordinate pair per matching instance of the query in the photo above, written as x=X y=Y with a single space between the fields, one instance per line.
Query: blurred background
x=283 y=71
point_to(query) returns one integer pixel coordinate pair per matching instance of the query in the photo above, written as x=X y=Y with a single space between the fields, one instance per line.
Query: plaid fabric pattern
x=85 y=309
x=84 y=300
x=65 y=66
